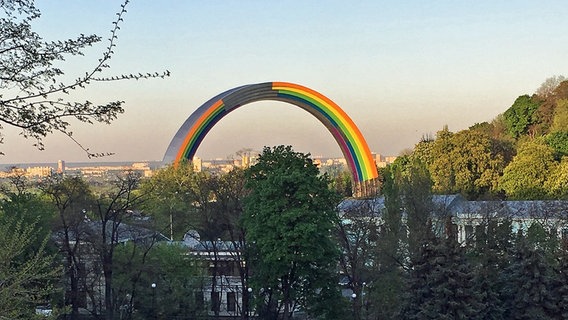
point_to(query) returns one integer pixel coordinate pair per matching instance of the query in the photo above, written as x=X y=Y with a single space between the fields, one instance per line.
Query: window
x=199 y=301
x=469 y=234
x=215 y=302
x=231 y=302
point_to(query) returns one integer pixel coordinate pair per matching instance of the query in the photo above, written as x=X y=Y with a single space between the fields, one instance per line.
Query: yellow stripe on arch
x=353 y=145
x=192 y=133
x=348 y=127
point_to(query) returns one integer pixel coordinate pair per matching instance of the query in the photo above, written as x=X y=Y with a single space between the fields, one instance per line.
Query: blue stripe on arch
x=193 y=149
x=334 y=123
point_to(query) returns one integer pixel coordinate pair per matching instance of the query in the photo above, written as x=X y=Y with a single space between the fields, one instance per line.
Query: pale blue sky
x=400 y=69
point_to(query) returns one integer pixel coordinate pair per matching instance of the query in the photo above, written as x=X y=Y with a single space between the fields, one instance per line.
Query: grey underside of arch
x=233 y=99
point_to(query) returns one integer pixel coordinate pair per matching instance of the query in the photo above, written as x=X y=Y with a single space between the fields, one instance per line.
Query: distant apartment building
x=31 y=172
x=197 y=164
x=61 y=166
x=39 y=172
x=102 y=171
x=383 y=161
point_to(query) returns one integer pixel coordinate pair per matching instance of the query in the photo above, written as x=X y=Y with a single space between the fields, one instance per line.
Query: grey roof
x=88 y=230
x=372 y=205
x=516 y=209
x=458 y=205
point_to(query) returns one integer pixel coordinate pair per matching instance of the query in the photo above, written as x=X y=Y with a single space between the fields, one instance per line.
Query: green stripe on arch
x=352 y=143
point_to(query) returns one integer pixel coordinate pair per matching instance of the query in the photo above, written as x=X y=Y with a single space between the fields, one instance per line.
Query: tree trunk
x=107 y=271
x=74 y=279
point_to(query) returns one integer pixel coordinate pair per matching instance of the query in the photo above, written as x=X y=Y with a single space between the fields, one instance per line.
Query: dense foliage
x=289 y=215
x=518 y=155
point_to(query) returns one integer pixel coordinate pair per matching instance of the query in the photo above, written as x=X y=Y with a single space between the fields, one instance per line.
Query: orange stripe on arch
x=196 y=127
x=370 y=170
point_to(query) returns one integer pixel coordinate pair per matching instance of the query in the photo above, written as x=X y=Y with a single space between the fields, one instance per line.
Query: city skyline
x=399 y=70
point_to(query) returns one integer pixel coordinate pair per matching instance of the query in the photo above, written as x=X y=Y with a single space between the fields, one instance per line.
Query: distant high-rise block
x=60 y=166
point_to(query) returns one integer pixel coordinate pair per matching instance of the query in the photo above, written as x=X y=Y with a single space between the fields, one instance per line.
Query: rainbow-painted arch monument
x=352 y=143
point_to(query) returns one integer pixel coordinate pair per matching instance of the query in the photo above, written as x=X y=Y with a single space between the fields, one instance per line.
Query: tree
x=21 y=203
x=440 y=282
x=547 y=111
x=529 y=284
x=490 y=255
x=341 y=181
x=72 y=198
x=416 y=196
x=177 y=279
x=91 y=227
x=171 y=194
x=560 y=120
x=289 y=216
x=557 y=183
x=547 y=88
x=521 y=115
x=466 y=162
x=111 y=210
x=423 y=150
x=562 y=289
x=181 y=199
x=558 y=140
x=390 y=255
x=33 y=97
x=229 y=194
x=357 y=233
x=525 y=176
x=27 y=272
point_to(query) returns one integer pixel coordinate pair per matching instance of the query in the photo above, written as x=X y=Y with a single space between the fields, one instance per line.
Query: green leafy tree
x=171 y=194
x=560 y=120
x=547 y=111
x=34 y=97
x=423 y=150
x=177 y=278
x=416 y=194
x=289 y=217
x=386 y=283
x=558 y=140
x=181 y=199
x=557 y=183
x=357 y=235
x=20 y=202
x=466 y=162
x=521 y=115
x=562 y=288
x=72 y=198
x=27 y=276
x=440 y=283
x=525 y=176
x=529 y=285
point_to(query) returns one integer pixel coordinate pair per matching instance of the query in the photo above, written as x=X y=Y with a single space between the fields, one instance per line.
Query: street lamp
x=153 y=285
x=355 y=306
x=249 y=302
x=365 y=305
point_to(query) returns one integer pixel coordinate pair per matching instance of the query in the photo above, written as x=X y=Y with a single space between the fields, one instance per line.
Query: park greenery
x=521 y=154
x=296 y=236
x=100 y=253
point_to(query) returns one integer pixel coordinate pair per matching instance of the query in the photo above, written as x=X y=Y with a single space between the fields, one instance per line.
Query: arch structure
x=352 y=143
